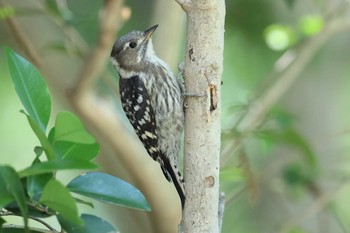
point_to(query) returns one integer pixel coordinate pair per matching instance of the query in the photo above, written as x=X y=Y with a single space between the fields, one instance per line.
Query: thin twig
x=95 y=64
x=23 y=40
x=79 y=45
x=7 y=213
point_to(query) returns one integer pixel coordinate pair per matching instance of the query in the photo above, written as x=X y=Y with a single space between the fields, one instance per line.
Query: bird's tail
x=173 y=174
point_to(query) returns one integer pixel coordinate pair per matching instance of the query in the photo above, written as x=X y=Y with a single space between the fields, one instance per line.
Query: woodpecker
x=151 y=98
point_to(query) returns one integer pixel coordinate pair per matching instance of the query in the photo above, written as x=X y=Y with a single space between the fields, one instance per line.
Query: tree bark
x=203 y=70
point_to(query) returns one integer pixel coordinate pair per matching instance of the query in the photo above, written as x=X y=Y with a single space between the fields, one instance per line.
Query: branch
x=7 y=213
x=23 y=40
x=21 y=229
x=95 y=64
x=103 y=122
x=101 y=119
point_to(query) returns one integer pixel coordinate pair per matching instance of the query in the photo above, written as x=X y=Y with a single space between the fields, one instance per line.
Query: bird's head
x=130 y=51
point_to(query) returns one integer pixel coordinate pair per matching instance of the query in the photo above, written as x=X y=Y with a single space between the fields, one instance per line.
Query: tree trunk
x=203 y=70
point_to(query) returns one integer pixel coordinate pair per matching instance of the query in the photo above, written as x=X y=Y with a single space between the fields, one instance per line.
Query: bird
x=152 y=99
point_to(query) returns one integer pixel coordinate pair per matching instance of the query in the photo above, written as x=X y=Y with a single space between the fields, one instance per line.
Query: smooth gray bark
x=203 y=70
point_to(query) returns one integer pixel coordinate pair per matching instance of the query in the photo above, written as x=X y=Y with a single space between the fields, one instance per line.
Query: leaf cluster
x=34 y=192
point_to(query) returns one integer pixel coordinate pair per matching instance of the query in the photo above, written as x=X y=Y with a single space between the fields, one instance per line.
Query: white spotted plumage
x=148 y=86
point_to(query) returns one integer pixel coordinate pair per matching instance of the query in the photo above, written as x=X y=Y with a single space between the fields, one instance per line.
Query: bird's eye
x=132 y=44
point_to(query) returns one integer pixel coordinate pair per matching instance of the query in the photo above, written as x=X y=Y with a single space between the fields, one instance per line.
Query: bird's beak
x=149 y=32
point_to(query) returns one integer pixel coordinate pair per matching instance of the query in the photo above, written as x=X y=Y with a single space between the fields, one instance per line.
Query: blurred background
x=285 y=100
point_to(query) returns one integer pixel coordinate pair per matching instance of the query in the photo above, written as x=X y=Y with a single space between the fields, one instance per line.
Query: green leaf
x=109 y=189
x=36 y=184
x=2 y=221
x=69 y=128
x=297 y=174
x=50 y=154
x=51 y=136
x=5 y=196
x=76 y=151
x=92 y=224
x=10 y=178
x=292 y=137
x=30 y=88
x=55 y=165
x=73 y=150
x=58 y=198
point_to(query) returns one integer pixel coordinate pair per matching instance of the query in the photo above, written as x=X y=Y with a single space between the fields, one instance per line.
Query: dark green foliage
x=35 y=191
x=12 y=188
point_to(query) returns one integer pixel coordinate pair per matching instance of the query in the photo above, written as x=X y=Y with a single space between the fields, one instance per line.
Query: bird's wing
x=138 y=109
